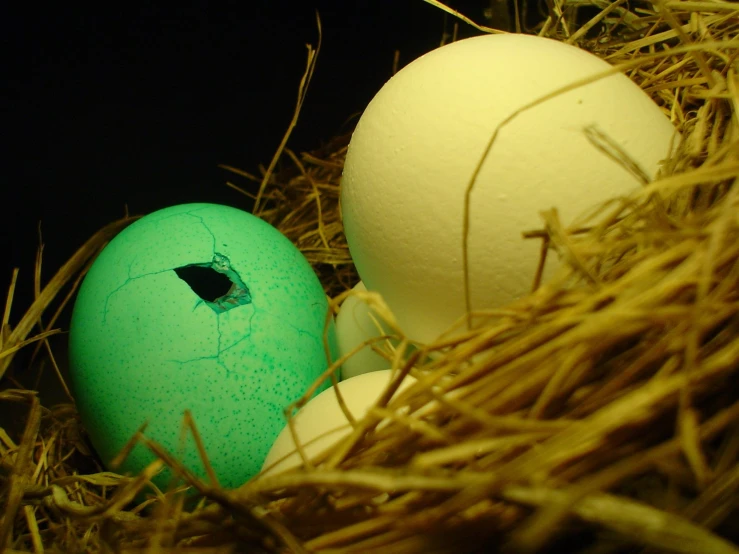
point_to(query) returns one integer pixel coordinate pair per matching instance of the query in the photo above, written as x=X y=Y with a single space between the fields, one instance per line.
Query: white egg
x=355 y=324
x=321 y=422
x=416 y=147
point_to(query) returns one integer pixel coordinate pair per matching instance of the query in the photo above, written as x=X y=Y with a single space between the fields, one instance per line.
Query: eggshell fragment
x=419 y=141
x=321 y=422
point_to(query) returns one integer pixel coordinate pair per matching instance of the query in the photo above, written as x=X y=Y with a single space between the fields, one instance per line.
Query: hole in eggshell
x=216 y=284
x=205 y=281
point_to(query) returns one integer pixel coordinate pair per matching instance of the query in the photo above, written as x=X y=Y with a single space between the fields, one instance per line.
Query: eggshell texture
x=416 y=147
x=321 y=422
x=356 y=323
x=144 y=347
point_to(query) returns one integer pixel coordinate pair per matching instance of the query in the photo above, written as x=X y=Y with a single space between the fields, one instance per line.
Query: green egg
x=196 y=307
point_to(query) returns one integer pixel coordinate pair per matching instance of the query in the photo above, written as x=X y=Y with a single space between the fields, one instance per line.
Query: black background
x=137 y=106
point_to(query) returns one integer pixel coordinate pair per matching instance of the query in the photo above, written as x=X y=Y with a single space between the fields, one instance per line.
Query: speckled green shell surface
x=145 y=347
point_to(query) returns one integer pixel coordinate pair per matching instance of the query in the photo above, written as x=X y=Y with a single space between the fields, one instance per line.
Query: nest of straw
x=600 y=414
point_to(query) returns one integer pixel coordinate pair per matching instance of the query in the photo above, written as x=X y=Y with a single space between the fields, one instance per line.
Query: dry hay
x=598 y=415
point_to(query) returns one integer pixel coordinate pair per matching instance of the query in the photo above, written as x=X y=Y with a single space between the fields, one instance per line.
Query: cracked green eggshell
x=145 y=347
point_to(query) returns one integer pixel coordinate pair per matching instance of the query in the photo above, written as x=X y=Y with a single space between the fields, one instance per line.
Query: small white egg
x=321 y=422
x=355 y=324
